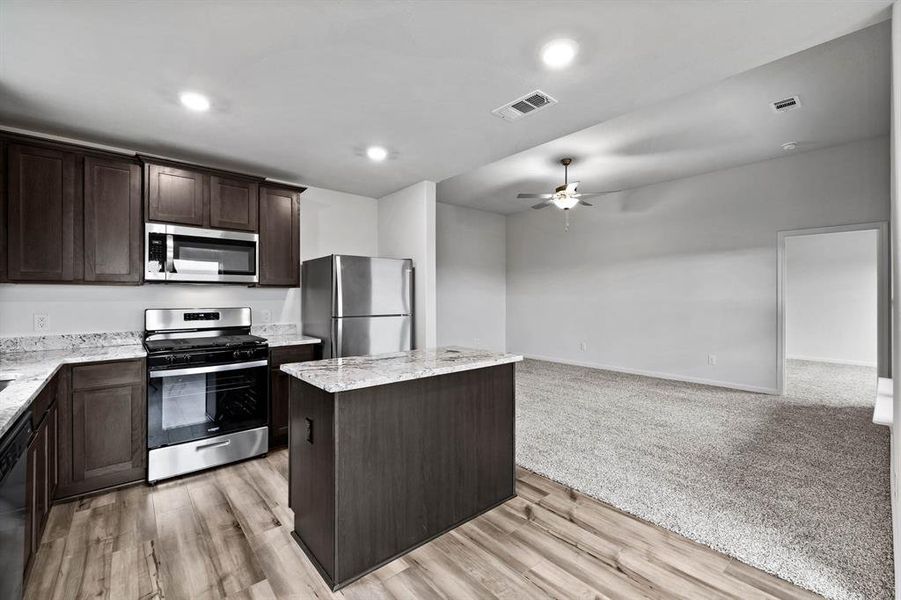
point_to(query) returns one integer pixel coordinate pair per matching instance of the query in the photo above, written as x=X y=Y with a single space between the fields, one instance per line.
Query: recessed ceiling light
x=787 y=146
x=195 y=101
x=376 y=153
x=557 y=54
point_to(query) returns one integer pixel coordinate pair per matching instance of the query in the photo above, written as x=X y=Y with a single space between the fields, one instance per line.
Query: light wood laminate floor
x=227 y=534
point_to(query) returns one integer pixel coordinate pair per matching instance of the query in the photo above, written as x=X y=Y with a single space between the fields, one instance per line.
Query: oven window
x=182 y=408
x=199 y=255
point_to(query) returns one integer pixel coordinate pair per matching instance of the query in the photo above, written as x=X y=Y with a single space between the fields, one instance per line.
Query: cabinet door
x=279 y=237
x=234 y=204
x=37 y=501
x=280 y=388
x=41 y=213
x=112 y=220
x=108 y=439
x=52 y=454
x=3 y=227
x=280 y=391
x=174 y=195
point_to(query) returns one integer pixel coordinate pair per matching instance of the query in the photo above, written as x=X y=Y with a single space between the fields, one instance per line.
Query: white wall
x=655 y=279
x=331 y=222
x=471 y=277
x=831 y=298
x=337 y=223
x=406 y=226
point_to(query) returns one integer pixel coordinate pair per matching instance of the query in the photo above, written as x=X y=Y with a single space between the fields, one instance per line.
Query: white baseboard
x=834 y=361
x=658 y=375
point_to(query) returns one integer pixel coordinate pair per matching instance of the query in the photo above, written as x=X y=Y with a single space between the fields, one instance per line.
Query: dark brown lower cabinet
x=378 y=471
x=41 y=465
x=103 y=440
x=280 y=387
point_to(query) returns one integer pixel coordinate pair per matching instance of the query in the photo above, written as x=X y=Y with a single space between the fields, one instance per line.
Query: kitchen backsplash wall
x=73 y=309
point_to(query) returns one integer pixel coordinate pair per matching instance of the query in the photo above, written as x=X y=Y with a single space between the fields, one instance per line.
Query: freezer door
x=373 y=286
x=359 y=336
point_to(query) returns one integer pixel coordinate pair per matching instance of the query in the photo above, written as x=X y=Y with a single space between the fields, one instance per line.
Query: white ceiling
x=300 y=88
x=844 y=87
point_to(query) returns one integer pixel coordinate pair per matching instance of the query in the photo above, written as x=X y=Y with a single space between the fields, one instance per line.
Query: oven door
x=185 y=404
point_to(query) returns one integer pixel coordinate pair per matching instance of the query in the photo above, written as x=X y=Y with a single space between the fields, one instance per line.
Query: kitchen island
x=387 y=452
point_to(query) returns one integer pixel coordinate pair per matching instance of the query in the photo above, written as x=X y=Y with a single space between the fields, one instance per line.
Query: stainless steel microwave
x=191 y=254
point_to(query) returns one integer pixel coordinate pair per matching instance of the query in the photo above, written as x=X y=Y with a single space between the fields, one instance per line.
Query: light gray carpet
x=797 y=485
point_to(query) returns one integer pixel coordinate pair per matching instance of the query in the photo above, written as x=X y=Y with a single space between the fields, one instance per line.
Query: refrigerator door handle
x=408 y=282
x=339 y=289
x=339 y=334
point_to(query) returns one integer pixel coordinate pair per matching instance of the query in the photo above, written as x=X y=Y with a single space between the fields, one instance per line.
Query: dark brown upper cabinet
x=174 y=195
x=234 y=203
x=43 y=201
x=280 y=236
x=112 y=220
x=3 y=227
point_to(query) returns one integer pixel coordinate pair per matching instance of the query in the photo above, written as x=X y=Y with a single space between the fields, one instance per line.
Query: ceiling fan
x=565 y=196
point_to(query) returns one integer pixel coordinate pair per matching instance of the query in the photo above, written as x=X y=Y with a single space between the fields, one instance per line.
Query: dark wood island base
x=378 y=471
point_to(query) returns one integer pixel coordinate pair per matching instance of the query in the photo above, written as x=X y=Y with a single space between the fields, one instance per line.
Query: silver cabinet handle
x=213 y=445
x=209 y=369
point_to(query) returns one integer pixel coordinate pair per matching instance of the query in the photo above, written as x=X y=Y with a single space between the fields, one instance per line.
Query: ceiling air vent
x=528 y=104
x=786 y=104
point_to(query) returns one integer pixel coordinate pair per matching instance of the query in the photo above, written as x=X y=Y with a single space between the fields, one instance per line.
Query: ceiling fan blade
x=596 y=194
x=583 y=203
x=572 y=187
x=534 y=195
x=542 y=204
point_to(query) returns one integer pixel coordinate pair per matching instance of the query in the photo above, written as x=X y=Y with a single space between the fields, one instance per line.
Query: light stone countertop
x=356 y=372
x=32 y=370
x=291 y=339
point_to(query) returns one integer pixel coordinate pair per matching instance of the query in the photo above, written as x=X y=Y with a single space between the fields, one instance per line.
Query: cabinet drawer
x=109 y=374
x=291 y=354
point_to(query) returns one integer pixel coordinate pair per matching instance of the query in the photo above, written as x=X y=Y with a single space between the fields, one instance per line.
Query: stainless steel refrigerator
x=358 y=305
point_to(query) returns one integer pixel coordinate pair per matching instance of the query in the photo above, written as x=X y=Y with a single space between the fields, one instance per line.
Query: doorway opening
x=833 y=311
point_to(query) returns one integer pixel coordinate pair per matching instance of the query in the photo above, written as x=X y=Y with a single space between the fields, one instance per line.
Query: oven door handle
x=208 y=369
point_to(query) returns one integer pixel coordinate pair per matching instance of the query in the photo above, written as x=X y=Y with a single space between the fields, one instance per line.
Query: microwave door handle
x=170 y=253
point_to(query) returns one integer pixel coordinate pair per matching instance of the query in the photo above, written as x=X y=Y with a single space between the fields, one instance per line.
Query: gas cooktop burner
x=203 y=343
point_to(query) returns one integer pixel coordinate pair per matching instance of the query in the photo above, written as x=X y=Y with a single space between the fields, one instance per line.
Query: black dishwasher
x=13 y=462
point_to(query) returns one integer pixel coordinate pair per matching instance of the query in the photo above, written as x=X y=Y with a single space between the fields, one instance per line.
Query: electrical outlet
x=477 y=342
x=265 y=316
x=711 y=360
x=41 y=322
x=583 y=346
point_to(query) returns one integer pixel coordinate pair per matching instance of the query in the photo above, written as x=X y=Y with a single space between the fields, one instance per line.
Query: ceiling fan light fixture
x=564 y=201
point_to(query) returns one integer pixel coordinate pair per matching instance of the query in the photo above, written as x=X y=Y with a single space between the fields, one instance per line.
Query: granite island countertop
x=30 y=371
x=356 y=372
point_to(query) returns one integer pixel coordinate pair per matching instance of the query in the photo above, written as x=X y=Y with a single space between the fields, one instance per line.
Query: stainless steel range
x=207 y=389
